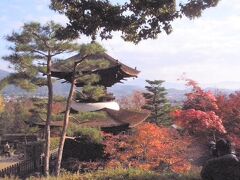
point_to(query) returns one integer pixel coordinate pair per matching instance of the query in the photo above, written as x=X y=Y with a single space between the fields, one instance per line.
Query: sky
x=204 y=49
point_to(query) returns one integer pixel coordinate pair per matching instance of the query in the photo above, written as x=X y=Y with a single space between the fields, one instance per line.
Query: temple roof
x=117 y=118
x=113 y=73
x=113 y=119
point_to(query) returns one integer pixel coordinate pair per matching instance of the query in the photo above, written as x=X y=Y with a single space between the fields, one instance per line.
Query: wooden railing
x=20 y=169
x=24 y=168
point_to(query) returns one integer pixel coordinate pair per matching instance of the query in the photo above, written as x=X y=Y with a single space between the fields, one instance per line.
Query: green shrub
x=83 y=116
x=92 y=134
x=54 y=143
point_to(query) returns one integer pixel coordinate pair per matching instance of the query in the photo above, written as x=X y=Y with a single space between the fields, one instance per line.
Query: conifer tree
x=31 y=47
x=157 y=103
x=91 y=92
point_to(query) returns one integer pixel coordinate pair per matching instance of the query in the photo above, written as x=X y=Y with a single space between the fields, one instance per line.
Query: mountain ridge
x=175 y=90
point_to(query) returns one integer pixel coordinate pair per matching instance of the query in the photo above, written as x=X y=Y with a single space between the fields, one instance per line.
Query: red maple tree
x=198 y=114
x=196 y=121
x=230 y=114
x=229 y=110
x=149 y=147
x=199 y=99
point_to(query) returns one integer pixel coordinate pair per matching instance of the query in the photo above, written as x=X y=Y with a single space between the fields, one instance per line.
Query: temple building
x=116 y=119
x=114 y=73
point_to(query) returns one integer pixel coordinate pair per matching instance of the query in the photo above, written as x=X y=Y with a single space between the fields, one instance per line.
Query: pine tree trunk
x=66 y=119
x=48 y=120
x=64 y=130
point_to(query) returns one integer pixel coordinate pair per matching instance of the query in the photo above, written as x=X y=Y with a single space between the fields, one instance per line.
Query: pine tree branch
x=39 y=52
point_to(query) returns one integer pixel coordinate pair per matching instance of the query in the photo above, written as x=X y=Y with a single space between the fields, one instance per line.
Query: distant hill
x=174 y=95
x=11 y=90
x=60 y=89
x=175 y=91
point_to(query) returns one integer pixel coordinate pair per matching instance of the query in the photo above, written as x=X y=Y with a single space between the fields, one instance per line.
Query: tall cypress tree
x=157 y=103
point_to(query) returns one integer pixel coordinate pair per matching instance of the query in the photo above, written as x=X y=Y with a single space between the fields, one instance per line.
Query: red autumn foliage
x=199 y=99
x=229 y=110
x=149 y=147
x=196 y=121
x=235 y=139
x=230 y=114
x=198 y=114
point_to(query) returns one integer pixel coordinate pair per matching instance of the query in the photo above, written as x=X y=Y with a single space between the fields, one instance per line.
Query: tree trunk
x=64 y=130
x=66 y=119
x=48 y=120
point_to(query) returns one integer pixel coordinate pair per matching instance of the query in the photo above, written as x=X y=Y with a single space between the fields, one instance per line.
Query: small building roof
x=121 y=118
x=113 y=73
x=125 y=116
x=87 y=107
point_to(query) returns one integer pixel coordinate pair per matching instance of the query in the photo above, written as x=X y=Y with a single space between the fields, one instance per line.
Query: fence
x=20 y=169
x=24 y=168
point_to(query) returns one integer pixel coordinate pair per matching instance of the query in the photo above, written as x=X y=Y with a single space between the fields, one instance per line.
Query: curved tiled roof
x=125 y=116
x=113 y=119
x=113 y=73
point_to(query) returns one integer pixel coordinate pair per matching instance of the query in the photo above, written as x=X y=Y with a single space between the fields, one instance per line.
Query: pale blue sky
x=206 y=49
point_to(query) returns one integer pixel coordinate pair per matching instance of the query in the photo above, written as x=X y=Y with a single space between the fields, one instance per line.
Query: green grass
x=118 y=174
x=124 y=174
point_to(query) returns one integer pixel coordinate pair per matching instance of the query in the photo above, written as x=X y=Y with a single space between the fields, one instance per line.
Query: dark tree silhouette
x=137 y=20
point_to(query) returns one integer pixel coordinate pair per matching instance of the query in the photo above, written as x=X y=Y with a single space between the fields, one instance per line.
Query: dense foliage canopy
x=199 y=112
x=136 y=19
x=149 y=147
x=30 y=48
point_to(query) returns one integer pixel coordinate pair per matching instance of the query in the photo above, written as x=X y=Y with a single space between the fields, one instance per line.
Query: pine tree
x=157 y=103
x=38 y=111
x=94 y=93
x=32 y=46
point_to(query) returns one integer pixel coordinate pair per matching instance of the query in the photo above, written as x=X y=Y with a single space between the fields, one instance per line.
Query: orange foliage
x=149 y=147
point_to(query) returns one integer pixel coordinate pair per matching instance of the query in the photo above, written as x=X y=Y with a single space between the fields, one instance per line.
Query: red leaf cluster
x=198 y=114
x=229 y=110
x=149 y=147
x=199 y=99
x=198 y=121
